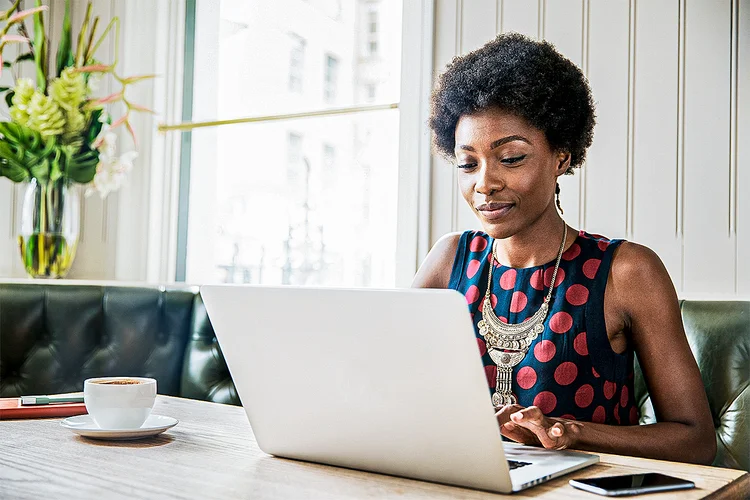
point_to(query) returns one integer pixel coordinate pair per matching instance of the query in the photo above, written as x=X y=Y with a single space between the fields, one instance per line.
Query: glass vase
x=49 y=228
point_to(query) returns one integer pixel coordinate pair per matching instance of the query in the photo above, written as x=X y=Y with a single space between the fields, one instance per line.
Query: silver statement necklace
x=508 y=343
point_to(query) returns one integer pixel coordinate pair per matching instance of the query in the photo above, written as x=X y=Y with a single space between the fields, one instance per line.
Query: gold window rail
x=269 y=118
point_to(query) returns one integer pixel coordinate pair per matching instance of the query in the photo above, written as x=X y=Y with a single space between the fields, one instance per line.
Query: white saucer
x=85 y=426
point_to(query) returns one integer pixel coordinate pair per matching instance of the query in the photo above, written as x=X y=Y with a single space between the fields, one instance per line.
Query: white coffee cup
x=119 y=402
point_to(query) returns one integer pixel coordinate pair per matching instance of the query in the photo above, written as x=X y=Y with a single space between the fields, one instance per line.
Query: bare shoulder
x=637 y=264
x=435 y=271
x=639 y=281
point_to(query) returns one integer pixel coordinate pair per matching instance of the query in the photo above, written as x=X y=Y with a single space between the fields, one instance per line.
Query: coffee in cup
x=119 y=402
x=118 y=381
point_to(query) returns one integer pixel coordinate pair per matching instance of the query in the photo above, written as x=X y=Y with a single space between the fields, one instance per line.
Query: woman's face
x=507 y=171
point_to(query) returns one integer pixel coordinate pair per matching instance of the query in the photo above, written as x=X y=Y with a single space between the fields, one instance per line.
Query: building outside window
x=296 y=63
x=331 y=76
x=372 y=29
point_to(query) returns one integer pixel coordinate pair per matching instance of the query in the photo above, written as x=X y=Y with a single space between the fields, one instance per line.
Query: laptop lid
x=381 y=380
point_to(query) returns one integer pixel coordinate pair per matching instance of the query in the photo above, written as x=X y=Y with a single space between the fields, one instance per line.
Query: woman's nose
x=487 y=182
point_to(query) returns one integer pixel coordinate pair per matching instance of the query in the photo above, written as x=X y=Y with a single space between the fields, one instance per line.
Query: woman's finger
x=556 y=431
x=518 y=434
x=528 y=416
x=534 y=420
x=504 y=413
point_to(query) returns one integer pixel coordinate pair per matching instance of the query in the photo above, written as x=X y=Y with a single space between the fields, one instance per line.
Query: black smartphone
x=631 y=484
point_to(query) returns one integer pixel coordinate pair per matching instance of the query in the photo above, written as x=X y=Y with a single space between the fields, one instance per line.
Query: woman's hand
x=530 y=426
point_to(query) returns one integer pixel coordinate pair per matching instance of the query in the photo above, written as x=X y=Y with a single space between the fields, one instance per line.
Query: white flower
x=111 y=173
x=107 y=144
x=93 y=83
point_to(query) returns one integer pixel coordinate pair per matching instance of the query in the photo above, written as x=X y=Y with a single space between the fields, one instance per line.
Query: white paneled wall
x=670 y=163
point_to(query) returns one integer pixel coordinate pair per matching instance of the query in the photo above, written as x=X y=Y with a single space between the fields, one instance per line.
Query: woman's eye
x=511 y=161
x=467 y=166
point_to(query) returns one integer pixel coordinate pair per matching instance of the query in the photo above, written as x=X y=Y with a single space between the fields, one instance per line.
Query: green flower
x=69 y=90
x=75 y=122
x=45 y=116
x=23 y=92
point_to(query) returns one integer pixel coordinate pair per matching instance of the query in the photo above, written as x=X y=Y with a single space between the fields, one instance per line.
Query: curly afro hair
x=522 y=76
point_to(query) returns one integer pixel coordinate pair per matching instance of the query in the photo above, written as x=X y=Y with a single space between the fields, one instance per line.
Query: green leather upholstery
x=719 y=336
x=53 y=337
x=204 y=372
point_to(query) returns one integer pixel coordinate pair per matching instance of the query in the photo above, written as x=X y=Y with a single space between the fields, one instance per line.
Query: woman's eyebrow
x=498 y=142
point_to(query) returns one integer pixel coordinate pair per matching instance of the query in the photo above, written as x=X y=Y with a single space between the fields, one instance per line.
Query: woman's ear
x=563 y=162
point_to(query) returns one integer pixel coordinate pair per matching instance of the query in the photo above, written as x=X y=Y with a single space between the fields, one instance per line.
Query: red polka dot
x=560 y=322
x=596 y=374
x=482 y=347
x=577 y=294
x=568 y=416
x=544 y=351
x=478 y=244
x=599 y=415
x=526 y=377
x=472 y=294
x=472 y=268
x=566 y=373
x=493 y=301
x=590 y=267
x=548 y=276
x=508 y=279
x=536 y=280
x=545 y=401
x=624 y=396
x=581 y=346
x=503 y=319
x=584 y=395
x=609 y=389
x=572 y=252
x=616 y=413
x=603 y=245
x=518 y=302
x=633 y=416
x=491 y=372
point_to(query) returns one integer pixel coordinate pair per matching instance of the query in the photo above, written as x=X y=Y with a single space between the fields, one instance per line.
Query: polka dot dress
x=570 y=370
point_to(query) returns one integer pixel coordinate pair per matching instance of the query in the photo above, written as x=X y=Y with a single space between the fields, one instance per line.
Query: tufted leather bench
x=52 y=337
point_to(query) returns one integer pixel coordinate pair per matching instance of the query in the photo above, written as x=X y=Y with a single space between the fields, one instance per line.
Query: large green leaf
x=64 y=50
x=13 y=172
x=95 y=126
x=40 y=49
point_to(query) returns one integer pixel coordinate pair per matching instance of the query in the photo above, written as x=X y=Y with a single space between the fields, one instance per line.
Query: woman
x=564 y=311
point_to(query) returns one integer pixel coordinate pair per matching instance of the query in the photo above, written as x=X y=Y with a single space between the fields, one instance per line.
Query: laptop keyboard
x=514 y=464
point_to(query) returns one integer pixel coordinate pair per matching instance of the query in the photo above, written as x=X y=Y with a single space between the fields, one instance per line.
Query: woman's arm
x=641 y=291
x=435 y=271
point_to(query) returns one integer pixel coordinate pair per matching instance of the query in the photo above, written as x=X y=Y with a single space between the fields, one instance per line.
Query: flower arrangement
x=57 y=131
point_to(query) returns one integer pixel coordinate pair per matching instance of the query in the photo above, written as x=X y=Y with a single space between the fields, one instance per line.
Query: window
x=331 y=71
x=370 y=92
x=304 y=200
x=296 y=63
x=329 y=157
x=294 y=158
x=372 y=30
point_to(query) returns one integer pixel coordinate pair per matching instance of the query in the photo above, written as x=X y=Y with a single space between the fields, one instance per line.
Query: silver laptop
x=388 y=381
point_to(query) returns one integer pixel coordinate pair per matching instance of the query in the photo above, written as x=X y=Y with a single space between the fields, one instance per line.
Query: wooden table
x=212 y=454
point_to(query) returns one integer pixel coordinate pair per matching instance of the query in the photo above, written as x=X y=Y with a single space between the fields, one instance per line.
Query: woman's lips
x=494 y=211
